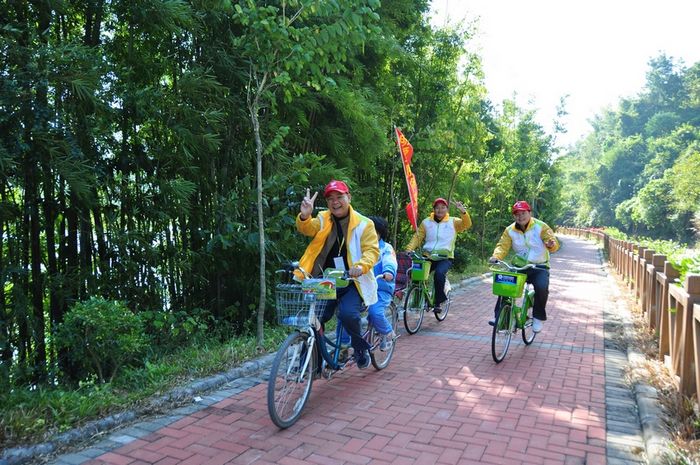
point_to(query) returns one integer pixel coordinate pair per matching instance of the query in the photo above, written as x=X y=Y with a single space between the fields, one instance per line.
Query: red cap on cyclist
x=335 y=186
x=440 y=200
x=521 y=206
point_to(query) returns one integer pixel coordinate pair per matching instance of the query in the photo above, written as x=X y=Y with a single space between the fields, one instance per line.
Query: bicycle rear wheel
x=502 y=331
x=445 y=307
x=414 y=309
x=381 y=358
x=289 y=385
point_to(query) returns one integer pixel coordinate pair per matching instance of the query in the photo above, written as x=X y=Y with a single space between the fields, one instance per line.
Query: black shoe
x=437 y=310
x=492 y=322
x=362 y=361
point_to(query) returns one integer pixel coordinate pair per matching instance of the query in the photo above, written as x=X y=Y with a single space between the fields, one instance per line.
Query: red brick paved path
x=442 y=399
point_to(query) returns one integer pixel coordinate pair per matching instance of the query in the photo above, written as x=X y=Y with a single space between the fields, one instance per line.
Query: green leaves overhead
x=302 y=41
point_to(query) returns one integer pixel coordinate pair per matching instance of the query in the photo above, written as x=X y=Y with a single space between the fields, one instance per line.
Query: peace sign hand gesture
x=307 y=205
x=460 y=206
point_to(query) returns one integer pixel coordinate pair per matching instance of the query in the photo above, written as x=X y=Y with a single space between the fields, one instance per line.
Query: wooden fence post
x=696 y=348
x=639 y=265
x=657 y=266
x=639 y=274
x=645 y=282
x=683 y=354
x=667 y=316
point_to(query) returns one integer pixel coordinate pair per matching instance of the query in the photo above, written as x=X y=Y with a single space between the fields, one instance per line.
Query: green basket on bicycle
x=507 y=284
x=420 y=270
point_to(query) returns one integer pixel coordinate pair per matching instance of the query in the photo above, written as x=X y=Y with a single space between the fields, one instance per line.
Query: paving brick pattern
x=442 y=400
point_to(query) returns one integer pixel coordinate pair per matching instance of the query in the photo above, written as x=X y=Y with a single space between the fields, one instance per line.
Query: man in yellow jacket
x=342 y=238
x=532 y=241
x=437 y=235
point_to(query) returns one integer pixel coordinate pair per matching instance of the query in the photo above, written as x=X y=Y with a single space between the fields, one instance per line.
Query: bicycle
x=419 y=296
x=509 y=285
x=307 y=353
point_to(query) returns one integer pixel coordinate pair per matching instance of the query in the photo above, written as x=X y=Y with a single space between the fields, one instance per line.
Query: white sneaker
x=537 y=325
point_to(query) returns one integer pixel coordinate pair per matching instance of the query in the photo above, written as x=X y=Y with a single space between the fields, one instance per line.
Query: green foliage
x=28 y=415
x=690 y=263
x=99 y=337
x=637 y=170
x=684 y=181
x=170 y=330
x=661 y=123
x=683 y=258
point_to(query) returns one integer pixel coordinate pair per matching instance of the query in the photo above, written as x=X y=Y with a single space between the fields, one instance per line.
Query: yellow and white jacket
x=529 y=244
x=439 y=237
x=363 y=247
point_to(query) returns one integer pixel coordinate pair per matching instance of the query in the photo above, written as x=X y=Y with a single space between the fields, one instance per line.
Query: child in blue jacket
x=385 y=271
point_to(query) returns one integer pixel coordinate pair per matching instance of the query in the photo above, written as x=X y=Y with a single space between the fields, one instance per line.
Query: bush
x=173 y=330
x=98 y=337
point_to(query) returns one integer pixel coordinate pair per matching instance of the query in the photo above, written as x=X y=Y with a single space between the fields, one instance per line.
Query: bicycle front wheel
x=528 y=333
x=291 y=377
x=381 y=358
x=502 y=331
x=414 y=309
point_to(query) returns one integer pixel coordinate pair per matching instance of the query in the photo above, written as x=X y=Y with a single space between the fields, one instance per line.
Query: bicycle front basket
x=508 y=284
x=420 y=270
x=293 y=305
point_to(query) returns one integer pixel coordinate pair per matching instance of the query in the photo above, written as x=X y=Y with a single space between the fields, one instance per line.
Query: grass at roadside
x=33 y=416
x=470 y=271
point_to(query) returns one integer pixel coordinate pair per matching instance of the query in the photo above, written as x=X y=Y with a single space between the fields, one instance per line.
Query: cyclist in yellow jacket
x=532 y=241
x=437 y=235
x=342 y=238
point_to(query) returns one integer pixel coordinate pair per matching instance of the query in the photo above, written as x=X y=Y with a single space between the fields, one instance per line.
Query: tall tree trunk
x=5 y=321
x=37 y=285
x=102 y=262
x=261 y=222
x=64 y=272
x=33 y=199
x=87 y=271
x=72 y=258
x=55 y=315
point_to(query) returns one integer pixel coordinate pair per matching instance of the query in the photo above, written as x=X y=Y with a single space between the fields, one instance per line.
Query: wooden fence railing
x=670 y=308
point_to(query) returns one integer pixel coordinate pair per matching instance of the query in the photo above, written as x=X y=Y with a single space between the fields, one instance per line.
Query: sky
x=596 y=51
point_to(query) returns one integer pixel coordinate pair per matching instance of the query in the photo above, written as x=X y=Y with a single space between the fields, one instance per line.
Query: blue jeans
x=350 y=306
x=376 y=316
x=440 y=267
x=539 y=278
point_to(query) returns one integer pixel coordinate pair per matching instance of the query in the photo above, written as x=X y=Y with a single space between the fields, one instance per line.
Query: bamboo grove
x=155 y=152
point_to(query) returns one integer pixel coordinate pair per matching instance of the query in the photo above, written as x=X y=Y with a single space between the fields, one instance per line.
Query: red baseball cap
x=521 y=206
x=440 y=200
x=336 y=186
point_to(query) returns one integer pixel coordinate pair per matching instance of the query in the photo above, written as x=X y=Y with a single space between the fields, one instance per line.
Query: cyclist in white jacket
x=532 y=241
x=437 y=235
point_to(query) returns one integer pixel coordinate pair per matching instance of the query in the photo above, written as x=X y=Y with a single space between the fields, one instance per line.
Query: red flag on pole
x=406 y=150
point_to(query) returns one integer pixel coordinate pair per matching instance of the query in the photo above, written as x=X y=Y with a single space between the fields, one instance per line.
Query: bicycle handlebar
x=513 y=268
x=432 y=256
x=329 y=272
x=290 y=268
